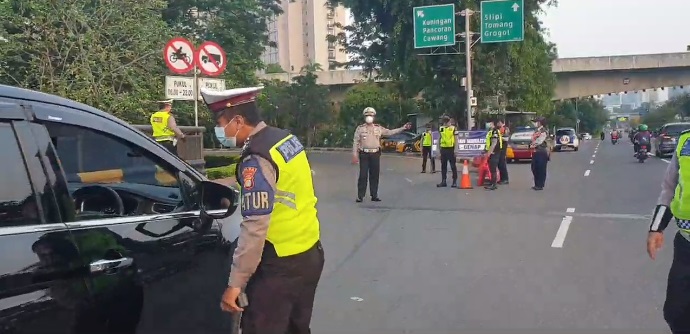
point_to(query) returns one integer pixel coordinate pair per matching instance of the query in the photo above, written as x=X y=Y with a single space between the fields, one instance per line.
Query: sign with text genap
x=470 y=144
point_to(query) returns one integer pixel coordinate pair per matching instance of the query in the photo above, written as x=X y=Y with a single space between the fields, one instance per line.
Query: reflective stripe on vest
x=294 y=226
x=680 y=205
x=488 y=140
x=426 y=139
x=447 y=136
x=159 y=125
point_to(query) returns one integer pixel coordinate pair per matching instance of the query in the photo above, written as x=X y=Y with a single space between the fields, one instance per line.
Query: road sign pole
x=196 y=97
x=468 y=65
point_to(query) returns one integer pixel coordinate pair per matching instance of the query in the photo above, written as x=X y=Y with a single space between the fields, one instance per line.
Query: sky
x=586 y=28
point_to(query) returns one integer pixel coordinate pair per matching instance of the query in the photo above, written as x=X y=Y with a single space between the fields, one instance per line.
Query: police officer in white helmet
x=366 y=150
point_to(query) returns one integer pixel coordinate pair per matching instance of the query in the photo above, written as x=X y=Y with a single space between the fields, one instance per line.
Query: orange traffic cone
x=465 y=182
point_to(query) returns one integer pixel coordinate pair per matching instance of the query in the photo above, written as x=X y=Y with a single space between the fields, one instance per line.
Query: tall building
x=300 y=35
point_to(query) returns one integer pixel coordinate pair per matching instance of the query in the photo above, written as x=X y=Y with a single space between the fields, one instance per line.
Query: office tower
x=300 y=34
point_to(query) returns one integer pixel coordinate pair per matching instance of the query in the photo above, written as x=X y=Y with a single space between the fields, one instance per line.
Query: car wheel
x=577 y=148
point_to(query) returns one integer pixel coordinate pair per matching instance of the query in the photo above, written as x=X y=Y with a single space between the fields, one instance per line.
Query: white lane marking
x=666 y=161
x=357 y=299
x=591 y=162
x=594 y=155
x=570 y=210
x=587 y=172
x=562 y=232
x=408 y=180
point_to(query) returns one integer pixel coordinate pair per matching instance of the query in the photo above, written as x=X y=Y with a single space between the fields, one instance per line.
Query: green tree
x=382 y=42
x=391 y=110
x=589 y=111
x=668 y=112
x=101 y=53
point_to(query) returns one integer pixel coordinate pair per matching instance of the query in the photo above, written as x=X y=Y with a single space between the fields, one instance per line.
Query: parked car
x=102 y=230
x=410 y=145
x=390 y=143
x=566 y=138
x=666 y=138
x=518 y=144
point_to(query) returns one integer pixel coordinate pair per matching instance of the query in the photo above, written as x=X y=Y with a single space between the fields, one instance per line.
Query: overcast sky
x=582 y=28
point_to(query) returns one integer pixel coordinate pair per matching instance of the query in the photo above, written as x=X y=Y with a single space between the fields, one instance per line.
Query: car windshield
x=676 y=129
x=564 y=132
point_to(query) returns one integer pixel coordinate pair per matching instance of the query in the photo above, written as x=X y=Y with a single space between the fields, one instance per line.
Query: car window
x=565 y=132
x=18 y=204
x=146 y=184
x=675 y=129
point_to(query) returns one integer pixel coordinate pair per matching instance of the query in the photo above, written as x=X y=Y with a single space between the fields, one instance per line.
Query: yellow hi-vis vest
x=447 y=136
x=159 y=124
x=426 y=139
x=488 y=139
x=680 y=205
x=294 y=226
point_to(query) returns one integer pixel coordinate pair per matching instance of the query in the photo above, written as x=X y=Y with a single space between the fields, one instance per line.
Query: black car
x=666 y=138
x=102 y=230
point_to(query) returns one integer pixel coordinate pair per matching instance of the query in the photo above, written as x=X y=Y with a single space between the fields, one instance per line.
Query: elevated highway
x=575 y=77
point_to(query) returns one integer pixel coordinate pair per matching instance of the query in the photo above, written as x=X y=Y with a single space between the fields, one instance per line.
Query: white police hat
x=219 y=101
x=369 y=111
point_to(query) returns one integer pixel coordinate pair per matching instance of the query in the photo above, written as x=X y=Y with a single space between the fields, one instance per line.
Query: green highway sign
x=503 y=21
x=434 y=26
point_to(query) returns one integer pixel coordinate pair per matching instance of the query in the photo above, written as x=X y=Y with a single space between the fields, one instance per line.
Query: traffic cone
x=465 y=182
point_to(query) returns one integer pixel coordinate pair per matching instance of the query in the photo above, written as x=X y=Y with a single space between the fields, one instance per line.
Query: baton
x=242 y=302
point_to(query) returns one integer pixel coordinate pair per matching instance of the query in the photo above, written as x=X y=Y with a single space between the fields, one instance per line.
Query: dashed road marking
x=408 y=180
x=570 y=210
x=666 y=161
x=594 y=155
x=591 y=162
x=562 y=232
x=587 y=172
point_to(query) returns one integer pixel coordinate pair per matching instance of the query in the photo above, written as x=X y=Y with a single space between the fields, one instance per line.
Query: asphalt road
x=429 y=260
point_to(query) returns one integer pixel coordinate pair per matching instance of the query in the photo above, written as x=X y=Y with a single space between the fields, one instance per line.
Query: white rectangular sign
x=179 y=88
x=211 y=84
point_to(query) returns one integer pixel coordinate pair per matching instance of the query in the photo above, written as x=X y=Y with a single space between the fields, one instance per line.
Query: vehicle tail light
x=644 y=147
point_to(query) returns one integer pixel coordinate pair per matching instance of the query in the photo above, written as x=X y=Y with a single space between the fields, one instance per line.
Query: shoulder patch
x=290 y=148
x=257 y=193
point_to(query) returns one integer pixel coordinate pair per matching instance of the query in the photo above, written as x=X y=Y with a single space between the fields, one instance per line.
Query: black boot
x=442 y=184
x=455 y=184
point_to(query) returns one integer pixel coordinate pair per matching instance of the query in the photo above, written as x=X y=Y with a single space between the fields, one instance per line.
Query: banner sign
x=435 y=140
x=470 y=144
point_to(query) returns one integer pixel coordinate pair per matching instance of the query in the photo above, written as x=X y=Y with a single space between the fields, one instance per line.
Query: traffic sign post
x=502 y=21
x=434 y=26
x=179 y=55
x=211 y=59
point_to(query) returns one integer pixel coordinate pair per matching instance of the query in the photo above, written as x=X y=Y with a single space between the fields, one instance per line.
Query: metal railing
x=191 y=149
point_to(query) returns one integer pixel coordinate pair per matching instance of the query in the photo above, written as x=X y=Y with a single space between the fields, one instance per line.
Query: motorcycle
x=641 y=154
x=614 y=140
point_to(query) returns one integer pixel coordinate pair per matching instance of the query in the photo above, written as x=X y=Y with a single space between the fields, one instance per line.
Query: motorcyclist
x=603 y=135
x=614 y=134
x=643 y=136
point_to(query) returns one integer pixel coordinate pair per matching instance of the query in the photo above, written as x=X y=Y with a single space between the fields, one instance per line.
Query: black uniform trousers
x=168 y=144
x=494 y=160
x=369 y=167
x=677 y=305
x=448 y=157
x=426 y=154
x=540 y=160
x=281 y=292
x=503 y=164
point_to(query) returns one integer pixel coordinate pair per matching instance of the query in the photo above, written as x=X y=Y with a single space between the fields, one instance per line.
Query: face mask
x=369 y=119
x=226 y=141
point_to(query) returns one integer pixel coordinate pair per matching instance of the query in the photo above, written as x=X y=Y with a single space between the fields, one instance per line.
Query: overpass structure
x=575 y=77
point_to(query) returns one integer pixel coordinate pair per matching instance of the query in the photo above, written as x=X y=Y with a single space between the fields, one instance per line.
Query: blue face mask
x=225 y=141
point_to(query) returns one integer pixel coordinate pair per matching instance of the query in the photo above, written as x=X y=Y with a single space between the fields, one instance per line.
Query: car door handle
x=107 y=265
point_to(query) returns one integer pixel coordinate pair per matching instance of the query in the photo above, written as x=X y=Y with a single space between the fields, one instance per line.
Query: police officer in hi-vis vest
x=426 y=150
x=366 y=150
x=165 y=130
x=494 y=146
x=447 y=145
x=674 y=203
x=279 y=258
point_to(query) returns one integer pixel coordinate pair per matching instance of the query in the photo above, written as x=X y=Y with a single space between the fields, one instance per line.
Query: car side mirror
x=216 y=200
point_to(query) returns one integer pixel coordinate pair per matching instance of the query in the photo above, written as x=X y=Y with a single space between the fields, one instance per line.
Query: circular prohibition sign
x=211 y=59
x=178 y=54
